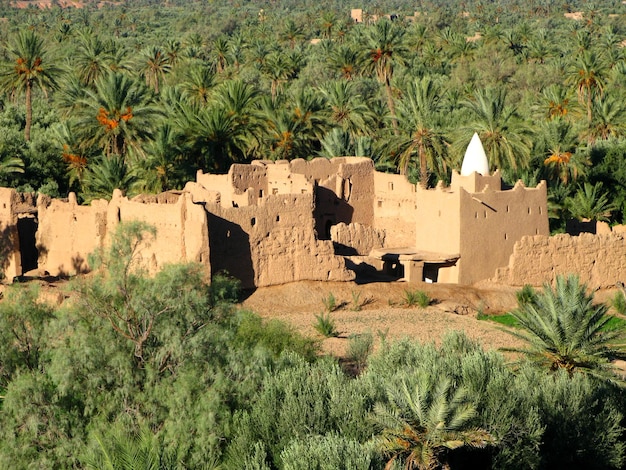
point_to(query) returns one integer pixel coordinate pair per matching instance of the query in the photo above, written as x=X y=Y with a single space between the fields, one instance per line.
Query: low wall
x=69 y=232
x=598 y=260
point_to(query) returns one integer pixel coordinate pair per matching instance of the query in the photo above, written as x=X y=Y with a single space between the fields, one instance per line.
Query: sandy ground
x=383 y=310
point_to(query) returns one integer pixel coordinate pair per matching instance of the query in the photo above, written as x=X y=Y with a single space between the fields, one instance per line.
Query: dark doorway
x=26 y=231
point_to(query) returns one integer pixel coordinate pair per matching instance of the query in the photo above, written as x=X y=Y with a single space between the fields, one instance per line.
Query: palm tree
x=347 y=59
x=339 y=143
x=558 y=143
x=91 y=59
x=386 y=49
x=424 y=425
x=347 y=108
x=555 y=101
x=198 y=82
x=420 y=116
x=504 y=136
x=587 y=75
x=107 y=174
x=590 y=203
x=154 y=64
x=609 y=119
x=29 y=68
x=120 y=114
x=564 y=330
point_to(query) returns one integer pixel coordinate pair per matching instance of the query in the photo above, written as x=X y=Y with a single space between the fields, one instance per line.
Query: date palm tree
x=505 y=137
x=347 y=109
x=421 y=119
x=29 y=67
x=154 y=64
x=386 y=49
x=590 y=203
x=118 y=115
x=564 y=330
x=587 y=76
x=423 y=425
x=92 y=59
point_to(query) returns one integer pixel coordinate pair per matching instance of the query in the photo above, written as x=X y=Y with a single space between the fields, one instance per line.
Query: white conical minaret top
x=475 y=159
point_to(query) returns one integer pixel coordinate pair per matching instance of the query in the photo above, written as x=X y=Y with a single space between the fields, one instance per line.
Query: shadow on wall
x=329 y=210
x=230 y=250
x=6 y=248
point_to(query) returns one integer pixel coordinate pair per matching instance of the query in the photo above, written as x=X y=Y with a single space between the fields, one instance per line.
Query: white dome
x=475 y=159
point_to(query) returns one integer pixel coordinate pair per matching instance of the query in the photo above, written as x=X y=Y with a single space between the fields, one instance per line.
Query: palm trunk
x=423 y=169
x=391 y=104
x=29 y=111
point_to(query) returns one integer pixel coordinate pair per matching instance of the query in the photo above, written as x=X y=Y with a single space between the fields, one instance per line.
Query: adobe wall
x=438 y=225
x=10 y=259
x=598 y=260
x=343 y=190
x=394 y=206
x=492 y=222
x=69 y=232
x=272 y=243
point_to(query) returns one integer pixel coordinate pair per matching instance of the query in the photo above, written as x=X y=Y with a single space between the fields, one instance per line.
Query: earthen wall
x=272 y=243
x=394 y=207
x=69 y=232
x=598 y=260
x=491 y=223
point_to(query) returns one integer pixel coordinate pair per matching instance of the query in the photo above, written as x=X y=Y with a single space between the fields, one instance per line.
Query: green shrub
x=526 y=295
x=330 y=303
x=416 y=297
x=325 y=325
x=330 y=452
x=618 y=302
x=356 y=301
x=360 y=346
x=274 y=335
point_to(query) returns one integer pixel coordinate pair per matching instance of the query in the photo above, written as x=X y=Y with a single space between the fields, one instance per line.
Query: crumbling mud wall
x=598 y=260
x=69 y=232
x=17 y=215
x=272 y=243
x=356 y=239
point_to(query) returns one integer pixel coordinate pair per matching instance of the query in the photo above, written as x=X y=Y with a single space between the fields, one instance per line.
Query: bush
x=325 y=325
x=416 y=297
x=330 y=452
x=618 y=302
x=274 y=335
x=360 y=346
x=330 y=303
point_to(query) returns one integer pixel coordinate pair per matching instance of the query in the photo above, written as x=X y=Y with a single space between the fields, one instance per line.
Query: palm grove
x=164 y=372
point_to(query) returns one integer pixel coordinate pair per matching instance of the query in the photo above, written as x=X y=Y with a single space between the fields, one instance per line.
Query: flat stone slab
x=413 y=254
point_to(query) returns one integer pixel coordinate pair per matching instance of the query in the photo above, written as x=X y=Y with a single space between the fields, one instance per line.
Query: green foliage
x=330 y=303
x=325 y=325
x=274 y=335
x=360 y=346
x=506 y=319
x=23 y=322
x=423 y=425
x=416 y=297
x=618 y=302
x=564 y=330
x=330 y=452
x=590 y=203
x=526 y=295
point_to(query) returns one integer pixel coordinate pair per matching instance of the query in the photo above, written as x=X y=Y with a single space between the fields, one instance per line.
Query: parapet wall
x=598 y=260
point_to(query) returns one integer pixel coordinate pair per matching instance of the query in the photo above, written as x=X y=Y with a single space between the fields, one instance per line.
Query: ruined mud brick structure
x=269 y=223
